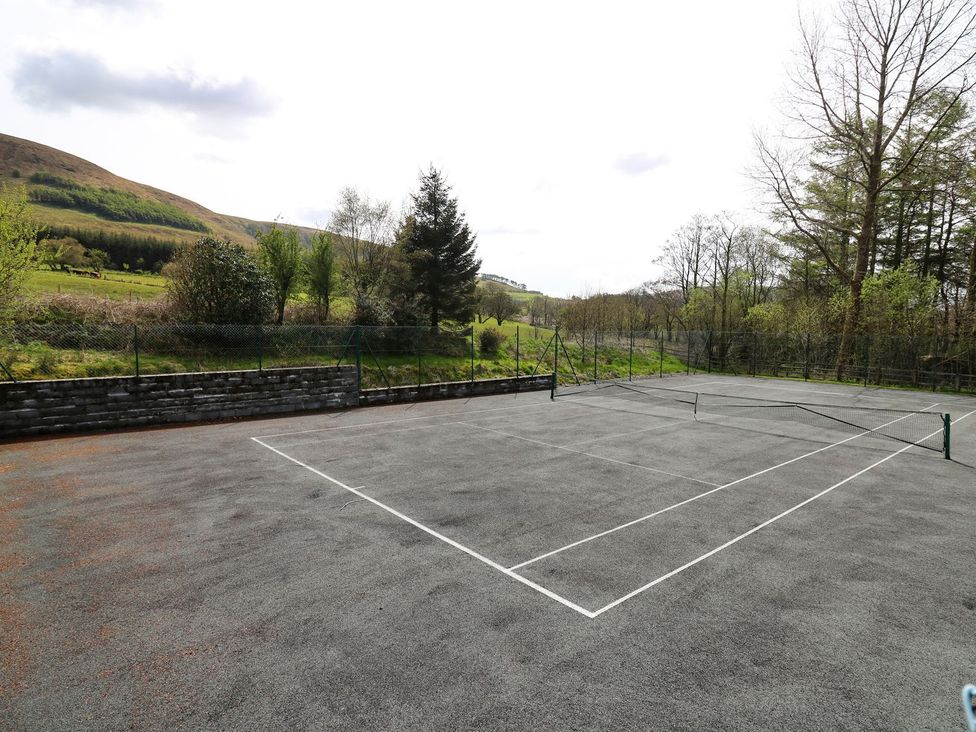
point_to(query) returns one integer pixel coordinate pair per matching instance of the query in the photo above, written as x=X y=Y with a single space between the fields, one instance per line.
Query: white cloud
x=62 y=80
x=640 y=163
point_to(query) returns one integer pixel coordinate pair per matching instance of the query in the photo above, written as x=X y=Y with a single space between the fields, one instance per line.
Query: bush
x=215 y=281
x=489 y=340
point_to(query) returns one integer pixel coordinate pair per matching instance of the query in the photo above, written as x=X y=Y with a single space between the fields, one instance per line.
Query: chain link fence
x=390 y=356
x=385 y=356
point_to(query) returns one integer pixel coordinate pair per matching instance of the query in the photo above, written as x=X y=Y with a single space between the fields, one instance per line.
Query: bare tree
x=364 y=232
x=685 y=256
x=860 y=81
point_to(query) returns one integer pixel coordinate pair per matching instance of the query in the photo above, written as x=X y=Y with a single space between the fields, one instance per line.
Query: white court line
x=404 y=419
x=893 y=394
x=706 y=493
x=471 y=552
x=588 y=454
x=676 y=423
x=754 y=529
x=321 y=441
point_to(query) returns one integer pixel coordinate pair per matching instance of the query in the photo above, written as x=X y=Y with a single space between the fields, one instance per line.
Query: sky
x=576 y=137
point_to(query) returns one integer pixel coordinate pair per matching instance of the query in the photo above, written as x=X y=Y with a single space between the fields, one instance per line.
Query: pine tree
x=440 y=250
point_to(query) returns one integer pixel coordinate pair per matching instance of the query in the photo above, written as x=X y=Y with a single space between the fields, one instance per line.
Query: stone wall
x=72 y=405
x=452 y=389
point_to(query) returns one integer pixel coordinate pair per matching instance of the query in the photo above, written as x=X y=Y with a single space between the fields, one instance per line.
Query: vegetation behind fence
x=395 y=356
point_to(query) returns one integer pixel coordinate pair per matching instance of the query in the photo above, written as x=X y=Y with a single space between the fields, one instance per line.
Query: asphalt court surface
x=493 y=563
x=593 y=498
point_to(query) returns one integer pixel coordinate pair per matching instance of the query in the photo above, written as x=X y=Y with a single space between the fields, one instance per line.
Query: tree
x=499 y=305
x=320 y=267
x=97 y=259
x=363 y=234
x=441 y=251
x=18 y=242
x=888 y=72
x=280 y=253
x=216 y=281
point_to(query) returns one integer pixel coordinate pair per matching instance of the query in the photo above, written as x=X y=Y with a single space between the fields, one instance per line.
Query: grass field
x=113 y=285
x=383 y=365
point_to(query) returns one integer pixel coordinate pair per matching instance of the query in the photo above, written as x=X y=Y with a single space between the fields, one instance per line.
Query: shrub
x=214 y=281
x=489 y=340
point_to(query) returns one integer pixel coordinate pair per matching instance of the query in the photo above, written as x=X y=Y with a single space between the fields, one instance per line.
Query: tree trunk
x=864 y=239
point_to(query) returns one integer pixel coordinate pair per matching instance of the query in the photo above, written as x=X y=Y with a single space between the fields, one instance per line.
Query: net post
x=135 y=345
x=688 y=358
x=946 y=430
x=552 y=387
x=660 y=355
x=472 y=353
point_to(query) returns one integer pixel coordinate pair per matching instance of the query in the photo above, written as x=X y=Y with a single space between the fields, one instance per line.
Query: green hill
x=70 y=193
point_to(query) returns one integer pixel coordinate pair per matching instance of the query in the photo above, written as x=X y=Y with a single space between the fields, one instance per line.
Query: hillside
x=34 y=165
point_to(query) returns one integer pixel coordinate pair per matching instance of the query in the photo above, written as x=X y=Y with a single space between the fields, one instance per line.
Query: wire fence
x=387 y=357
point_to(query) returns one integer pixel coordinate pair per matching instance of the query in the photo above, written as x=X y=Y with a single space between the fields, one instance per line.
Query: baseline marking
x=471 y=552
x=753 y=530
x=404 y=419
x=708 y=493
x=588 y=454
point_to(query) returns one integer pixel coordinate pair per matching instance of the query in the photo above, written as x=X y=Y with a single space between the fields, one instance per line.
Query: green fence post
x=595 y=337
x=555 y=359
x=472 y=353
x=260 y=347
x=660 y=355
x=630 y=360
x=688 y=361
x=517 y=346
x=946 y=429
x=135 y=345
x=420 y=361
x=867 y=359
x=359 y=356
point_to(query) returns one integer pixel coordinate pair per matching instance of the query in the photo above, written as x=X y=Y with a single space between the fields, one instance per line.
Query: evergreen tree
x=320 y=265
x=440 y=250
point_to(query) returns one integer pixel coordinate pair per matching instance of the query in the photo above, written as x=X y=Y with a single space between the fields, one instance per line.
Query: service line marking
x=467 y=550
x=707 y=493
x=754 y=529
x=589 y=454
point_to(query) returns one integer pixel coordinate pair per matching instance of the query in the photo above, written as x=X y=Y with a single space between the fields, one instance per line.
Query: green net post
x=660 y=355
x=688 y=357
x=135 y=346
x=946 y=429
x=552 y=387
x=472 y=352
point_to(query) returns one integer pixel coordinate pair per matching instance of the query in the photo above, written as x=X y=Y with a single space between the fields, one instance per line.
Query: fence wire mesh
x=395 y=356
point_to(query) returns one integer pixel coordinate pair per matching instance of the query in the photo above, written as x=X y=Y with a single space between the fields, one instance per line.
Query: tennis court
x=710 y=551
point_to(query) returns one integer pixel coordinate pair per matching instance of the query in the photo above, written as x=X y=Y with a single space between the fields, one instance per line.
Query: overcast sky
x=576 y=136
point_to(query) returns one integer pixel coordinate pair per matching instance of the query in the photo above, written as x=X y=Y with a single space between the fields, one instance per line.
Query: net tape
x=913 y=427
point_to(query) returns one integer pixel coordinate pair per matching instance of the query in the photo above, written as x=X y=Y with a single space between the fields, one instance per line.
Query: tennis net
x=912 y=427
